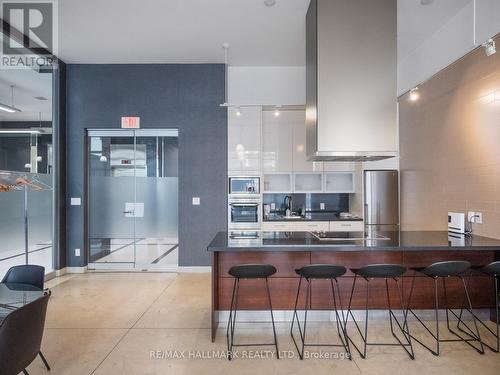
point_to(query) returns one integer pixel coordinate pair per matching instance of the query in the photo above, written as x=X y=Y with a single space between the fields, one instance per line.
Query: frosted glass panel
x=278 y=183
x=308 y=182
x=159 y=196
x=39 y=208
x=11 y=224
x=339 y=182
x=40 y=224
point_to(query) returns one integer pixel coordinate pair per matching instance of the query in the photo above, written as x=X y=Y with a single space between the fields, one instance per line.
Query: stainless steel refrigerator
x=381 y=198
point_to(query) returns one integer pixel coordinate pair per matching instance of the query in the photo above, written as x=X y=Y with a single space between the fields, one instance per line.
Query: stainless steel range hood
x=351 y=72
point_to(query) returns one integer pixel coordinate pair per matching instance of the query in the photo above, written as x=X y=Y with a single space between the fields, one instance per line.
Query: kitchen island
x=288 y=251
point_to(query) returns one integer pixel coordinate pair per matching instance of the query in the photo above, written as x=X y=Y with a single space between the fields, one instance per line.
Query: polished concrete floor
x=111 y=323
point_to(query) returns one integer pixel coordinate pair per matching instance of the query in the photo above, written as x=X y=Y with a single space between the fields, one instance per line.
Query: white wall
x=267 y=85
x=449 y=43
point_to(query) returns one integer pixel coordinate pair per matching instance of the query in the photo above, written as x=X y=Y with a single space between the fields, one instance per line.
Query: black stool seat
x=445 y=269
x=380 y=271
x=492 y=269
x=252 y=271
x=321 y=271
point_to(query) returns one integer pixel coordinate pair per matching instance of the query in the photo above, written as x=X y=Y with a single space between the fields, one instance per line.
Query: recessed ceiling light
x=270 y=3
x=40 y=98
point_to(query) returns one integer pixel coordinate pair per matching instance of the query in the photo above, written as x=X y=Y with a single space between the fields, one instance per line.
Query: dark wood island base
x=284 y=283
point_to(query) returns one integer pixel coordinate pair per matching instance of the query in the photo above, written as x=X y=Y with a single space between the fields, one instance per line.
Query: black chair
x=248 y=271
x=443 y=271
x=386 y=272
x=320 y=272
x=21 y=335
x=26 y=274
x=29 y=274
x=493 y=270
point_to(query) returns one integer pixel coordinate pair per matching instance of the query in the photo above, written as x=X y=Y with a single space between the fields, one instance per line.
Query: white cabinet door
x=244 y=134
x=277 y=136
x=346 y=226
x=300 y=162
x=279 y=226
x=340 y=182
x=311 y=226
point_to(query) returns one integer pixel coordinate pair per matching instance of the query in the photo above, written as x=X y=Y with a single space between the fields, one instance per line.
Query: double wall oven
x=244 y=204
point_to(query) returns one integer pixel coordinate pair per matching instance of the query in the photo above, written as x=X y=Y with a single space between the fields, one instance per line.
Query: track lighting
x=238 y=111
x=489 y=47
x=414 y=94
x=277 y=111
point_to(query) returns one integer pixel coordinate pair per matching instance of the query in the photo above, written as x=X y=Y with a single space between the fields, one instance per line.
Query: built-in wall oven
x=244 y=203
x=244 y=213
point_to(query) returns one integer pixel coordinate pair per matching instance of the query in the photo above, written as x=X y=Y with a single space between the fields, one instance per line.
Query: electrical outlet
x=321 y=206
x=479 y=218
x=475 y=217
x=77 y=252
x=273 y=206
x=196 y=201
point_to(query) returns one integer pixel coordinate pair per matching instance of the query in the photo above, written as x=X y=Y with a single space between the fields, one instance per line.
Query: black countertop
x=306 y=241
x=312 y=216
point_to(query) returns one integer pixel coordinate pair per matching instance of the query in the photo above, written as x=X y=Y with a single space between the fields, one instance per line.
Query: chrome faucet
x=288 y=205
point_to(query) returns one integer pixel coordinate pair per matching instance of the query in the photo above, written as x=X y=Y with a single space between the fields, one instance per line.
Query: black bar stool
x=320 y=272
x=445 y=270
x=381 y=271
x=493 y=270
x=248 y=271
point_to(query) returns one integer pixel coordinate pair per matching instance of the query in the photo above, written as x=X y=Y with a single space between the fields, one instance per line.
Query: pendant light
x=10 y=108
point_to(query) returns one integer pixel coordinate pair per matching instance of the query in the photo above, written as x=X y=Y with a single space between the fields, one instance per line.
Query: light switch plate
x=76 y=201
x=273 y=206
x=322 y=206
x=196 y=201
x=77 y=252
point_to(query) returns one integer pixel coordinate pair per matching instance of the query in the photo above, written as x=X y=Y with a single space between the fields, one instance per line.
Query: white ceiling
x=182 y=31
x=192 y=31
x=417 y=22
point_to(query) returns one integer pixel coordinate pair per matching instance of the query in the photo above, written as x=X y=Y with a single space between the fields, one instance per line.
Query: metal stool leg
x=232 y=319
x=44 y=360
x=349 y=312
x=481 y=351
x=272 y=319
x=470 y=333
x=339 y=321
x=435 y=336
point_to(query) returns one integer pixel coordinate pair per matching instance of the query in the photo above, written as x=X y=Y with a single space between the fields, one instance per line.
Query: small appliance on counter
x=457 y=223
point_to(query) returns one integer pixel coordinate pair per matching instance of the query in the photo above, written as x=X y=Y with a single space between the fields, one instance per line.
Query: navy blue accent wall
x=186 y=97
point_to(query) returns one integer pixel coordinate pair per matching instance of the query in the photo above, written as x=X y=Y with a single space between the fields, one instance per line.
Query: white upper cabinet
x=244 y=140
x=277 y=139
x=300 y=163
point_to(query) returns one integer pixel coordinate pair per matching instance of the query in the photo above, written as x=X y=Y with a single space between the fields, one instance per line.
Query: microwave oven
x=244 y=185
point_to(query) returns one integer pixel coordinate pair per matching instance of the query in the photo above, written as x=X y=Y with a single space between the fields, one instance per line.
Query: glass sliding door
x=132 y=199
x=111 y=196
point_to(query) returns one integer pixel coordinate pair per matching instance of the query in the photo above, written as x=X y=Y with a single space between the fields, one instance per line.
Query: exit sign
x=131 y=122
